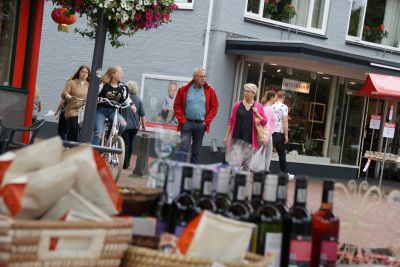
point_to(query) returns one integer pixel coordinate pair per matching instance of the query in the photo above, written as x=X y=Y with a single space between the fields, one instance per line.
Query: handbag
x=262 y=134
x=81 y=114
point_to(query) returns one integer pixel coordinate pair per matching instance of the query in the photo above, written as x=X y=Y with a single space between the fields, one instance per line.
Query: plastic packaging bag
x=258 y=161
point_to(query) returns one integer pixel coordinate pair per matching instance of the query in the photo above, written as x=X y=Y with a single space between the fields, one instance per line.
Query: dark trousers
x=191 y=133
x=62 y=126
x=279 y=144
x=128 y=135
x=73 y=129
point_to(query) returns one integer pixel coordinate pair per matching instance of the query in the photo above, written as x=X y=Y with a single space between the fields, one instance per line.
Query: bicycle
x=111 y=139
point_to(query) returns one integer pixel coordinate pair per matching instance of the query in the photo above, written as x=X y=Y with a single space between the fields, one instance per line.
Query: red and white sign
x=375 y=122
x=389 y=129
x=297 y=86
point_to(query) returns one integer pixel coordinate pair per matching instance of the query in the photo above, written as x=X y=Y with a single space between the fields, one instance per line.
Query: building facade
x=319 y=51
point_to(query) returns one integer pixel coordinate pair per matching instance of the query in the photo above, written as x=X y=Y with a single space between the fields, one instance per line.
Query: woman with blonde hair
x=244 y=117
x=134 y=118
x=112 y=89
x=74 y=96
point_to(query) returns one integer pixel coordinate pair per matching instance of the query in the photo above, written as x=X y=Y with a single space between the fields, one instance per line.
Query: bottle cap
x=207 y=174
x=187 y=171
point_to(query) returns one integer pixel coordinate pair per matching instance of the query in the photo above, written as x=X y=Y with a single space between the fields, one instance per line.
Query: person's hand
x=257 y=121
x=68 y=96
x=255 y=110
x=134 y=109
x=286 y=140
x=225 y=141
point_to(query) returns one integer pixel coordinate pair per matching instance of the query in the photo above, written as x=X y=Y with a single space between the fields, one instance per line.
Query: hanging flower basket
x=288 y=12
x=123 y=17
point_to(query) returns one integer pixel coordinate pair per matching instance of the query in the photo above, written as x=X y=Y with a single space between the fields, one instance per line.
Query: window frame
x=307 y=29
x=187 y=6
x=359 y=40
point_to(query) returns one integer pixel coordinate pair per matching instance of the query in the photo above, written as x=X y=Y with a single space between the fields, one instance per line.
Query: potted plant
x=374 y=34
x=270 y=8
x=288 y=12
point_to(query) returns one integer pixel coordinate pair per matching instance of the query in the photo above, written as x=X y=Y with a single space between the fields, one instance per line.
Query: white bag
x=258 y=161
x=81 y=114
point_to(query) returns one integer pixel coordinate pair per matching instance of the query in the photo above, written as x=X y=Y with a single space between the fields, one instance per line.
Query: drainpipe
x=207 y=40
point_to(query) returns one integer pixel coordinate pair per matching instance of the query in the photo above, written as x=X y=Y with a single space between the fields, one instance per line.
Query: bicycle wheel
x=115 y=161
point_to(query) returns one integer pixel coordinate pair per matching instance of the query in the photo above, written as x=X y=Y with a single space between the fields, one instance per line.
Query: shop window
x=307 y=96
x=184 y=4
x=309 y=15
x=375 y=22
x=8 y=16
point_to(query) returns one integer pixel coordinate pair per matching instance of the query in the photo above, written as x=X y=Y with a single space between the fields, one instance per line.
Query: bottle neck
x=327 y=199
x=300 y=197
x=206 y=187
x=239 y=192
x=223 y=182
x=270 y=191
x=163 y=172
x=187 y=184
x=281 y=193
x=257 y=190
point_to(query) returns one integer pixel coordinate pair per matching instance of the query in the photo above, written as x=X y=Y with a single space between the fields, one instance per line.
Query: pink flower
x=155 y=25
x=149 y=15
x=138 y=16
x=166 y=17
x=158 y=16
x=148 y=24
x=382 y=27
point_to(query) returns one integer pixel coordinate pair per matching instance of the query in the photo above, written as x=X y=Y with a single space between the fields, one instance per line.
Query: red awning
x=381 y=86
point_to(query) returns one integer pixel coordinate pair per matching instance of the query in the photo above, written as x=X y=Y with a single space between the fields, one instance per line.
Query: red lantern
x=63 y=18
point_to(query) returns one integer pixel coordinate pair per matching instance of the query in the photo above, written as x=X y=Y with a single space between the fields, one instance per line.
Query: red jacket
x=180 y=104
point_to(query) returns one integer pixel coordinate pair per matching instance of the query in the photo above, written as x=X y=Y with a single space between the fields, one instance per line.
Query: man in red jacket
x=196 y=105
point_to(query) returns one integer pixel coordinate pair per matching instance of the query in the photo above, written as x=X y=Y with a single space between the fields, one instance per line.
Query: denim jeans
x=279 y=144
x=191 y=132
x=101 y=114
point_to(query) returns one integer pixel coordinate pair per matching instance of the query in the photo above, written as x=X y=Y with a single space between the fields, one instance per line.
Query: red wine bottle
x=300 y=232
x=281 y=205
x=183 y=204
x=325 y=230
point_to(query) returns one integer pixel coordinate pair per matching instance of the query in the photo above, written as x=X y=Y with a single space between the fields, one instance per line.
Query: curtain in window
x=318 y=14
x=392 y=23
x=302 y=7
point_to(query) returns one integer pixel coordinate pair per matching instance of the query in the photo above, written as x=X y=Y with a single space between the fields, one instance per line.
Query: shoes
x=291 y=177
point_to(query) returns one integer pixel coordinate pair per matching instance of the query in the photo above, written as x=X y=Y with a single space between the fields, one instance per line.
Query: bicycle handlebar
x=112 y=102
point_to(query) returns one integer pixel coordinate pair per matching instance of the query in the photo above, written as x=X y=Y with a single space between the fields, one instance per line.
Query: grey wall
x=177 y=48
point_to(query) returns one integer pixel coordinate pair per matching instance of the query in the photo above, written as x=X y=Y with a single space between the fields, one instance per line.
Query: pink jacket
x=271 y=119
x=263 y=122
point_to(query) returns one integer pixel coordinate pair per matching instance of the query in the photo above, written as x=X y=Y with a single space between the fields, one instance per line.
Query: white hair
x=197 y=70
x=251 y=87
x=132 y=87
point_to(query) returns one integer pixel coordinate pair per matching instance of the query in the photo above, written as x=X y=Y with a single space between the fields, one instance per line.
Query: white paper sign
x=375 y=122
x=388 y=130
x=297 y=86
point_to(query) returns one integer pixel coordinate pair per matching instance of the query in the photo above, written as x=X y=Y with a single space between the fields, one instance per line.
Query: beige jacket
x=76 y=89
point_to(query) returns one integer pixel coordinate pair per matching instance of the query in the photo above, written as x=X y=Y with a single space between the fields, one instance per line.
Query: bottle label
x=273 y=244
x=330 y=196
x=328 y=254
x=301 y=195
x=187 y=183
x=223 y=181
x=207 y=188
x=300 y=251
x=256 y=189
x=241 y=193
x=282 y=192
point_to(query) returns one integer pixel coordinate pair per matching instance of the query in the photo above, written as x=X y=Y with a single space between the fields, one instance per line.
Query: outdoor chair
x=9 y=135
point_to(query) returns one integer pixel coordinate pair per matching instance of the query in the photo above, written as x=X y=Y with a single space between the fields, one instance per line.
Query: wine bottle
x=183 y=204
x=205 y=202
x=325 y=230
x=164 y=207
x=269 y=224
x=281 y=205
x=300 y=232
x=240 y=210
x=196 y=183
x=257 y=190
x=222 y=200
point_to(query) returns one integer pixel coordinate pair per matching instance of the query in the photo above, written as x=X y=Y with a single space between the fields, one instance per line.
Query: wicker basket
x=26 y=243
x=144 y=257
x=140 y=201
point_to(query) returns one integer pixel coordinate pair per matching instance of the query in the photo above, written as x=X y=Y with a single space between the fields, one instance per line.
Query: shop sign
x=388 y=130
x=375 y=122
x=297 y=86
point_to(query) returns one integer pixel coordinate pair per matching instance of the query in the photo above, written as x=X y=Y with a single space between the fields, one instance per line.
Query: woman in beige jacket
x=75 y=92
